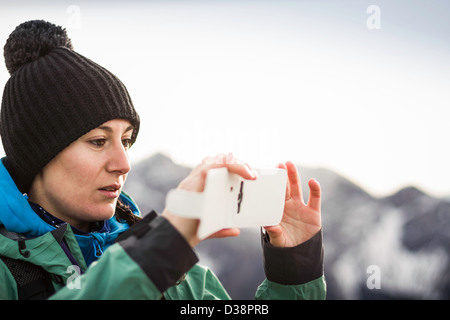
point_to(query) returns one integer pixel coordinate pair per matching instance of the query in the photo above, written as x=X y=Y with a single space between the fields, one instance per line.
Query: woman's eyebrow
x=109 y=129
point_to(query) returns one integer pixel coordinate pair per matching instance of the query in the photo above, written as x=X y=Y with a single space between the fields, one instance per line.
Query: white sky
x=272 y=81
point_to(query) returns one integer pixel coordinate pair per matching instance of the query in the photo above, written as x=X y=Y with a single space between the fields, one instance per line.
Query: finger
x=220 y=158
x=243 y=170
x=288 y=189
x=294 y=181
x=234 y=165
x=314 y=194
x=225 y=233
x=239 y=167
x=276 y=235
x=209 y=160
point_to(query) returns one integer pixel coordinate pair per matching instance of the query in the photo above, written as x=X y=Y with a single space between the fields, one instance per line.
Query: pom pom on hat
x=31 y=40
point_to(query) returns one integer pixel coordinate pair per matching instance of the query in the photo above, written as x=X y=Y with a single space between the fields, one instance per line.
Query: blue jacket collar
x=17 y=216
x=15 y=212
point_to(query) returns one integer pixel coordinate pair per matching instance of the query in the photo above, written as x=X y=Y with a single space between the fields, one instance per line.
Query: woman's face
x=83 y=182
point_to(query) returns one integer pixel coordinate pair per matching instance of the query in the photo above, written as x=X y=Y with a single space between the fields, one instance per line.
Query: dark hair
x=124 y=214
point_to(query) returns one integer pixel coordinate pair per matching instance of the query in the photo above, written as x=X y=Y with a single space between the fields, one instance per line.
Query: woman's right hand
x=195 y=182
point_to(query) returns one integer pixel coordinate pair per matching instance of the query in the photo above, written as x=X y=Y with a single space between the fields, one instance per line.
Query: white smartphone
x=230 y=201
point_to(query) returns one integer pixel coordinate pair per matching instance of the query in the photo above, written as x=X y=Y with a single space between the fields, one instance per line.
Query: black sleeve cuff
x=296 y=265
x=161 y=251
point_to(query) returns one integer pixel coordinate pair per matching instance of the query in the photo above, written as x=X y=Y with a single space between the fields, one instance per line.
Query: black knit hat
x=53 y=97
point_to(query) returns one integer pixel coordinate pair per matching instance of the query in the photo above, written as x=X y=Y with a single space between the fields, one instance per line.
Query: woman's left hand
x=300 y=221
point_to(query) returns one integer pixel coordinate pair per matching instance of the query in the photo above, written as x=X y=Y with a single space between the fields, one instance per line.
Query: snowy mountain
x=400 y=243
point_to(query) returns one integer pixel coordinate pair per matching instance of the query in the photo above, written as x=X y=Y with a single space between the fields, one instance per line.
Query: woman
x=66 y=125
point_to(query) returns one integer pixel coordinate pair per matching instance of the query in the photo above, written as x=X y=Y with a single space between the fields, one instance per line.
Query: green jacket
x=150 y=260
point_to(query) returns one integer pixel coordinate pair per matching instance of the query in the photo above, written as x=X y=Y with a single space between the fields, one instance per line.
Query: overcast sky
x=359 y=87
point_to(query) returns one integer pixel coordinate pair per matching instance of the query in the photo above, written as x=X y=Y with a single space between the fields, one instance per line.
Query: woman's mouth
x=111 y=191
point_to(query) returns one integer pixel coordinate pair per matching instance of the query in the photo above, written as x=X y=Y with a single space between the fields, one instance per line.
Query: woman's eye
x=98 y=142
x=126 y=143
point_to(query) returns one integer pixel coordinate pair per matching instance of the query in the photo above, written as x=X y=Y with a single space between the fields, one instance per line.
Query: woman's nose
x=118 y=159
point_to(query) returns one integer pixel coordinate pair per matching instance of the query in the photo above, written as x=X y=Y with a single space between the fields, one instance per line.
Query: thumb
x=276 y=235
